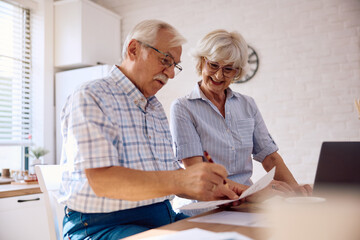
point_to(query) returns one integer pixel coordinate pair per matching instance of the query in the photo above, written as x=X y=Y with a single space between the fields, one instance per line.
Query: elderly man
x=119 y=168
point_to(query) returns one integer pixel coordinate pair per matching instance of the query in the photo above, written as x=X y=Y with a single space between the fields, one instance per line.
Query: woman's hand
x=304 y=190
x=274 y=188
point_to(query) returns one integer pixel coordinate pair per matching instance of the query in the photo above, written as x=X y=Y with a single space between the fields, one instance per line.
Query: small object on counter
x=17 y=175
x=30 y=178
x=5 y=176
x=5 y=173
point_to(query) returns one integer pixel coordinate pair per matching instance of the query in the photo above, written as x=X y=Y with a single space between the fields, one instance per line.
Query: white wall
x=309 y=64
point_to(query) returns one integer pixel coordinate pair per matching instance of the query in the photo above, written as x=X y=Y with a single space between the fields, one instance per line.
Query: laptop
x=338 y=166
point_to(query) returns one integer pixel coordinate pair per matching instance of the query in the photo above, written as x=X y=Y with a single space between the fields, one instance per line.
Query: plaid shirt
x=109 y=122
x=197 y=125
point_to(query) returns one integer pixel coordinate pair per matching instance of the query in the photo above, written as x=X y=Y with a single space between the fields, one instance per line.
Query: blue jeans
x=120 y=224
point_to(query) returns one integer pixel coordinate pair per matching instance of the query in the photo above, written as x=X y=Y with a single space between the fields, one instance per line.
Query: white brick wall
x=309 y=70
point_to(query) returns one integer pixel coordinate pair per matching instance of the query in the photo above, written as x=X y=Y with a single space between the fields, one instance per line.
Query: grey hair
x=221 y=45
x=146 y=31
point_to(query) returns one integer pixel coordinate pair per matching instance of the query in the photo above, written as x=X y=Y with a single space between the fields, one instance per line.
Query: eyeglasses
x=213 y=67
x=167 y=60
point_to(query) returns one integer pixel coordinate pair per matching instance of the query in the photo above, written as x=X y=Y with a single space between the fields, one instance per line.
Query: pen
x=209 y=159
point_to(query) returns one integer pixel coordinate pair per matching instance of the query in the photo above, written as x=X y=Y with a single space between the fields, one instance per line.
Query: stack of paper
x=259 y=185
x=200 y=234
x=234 y=218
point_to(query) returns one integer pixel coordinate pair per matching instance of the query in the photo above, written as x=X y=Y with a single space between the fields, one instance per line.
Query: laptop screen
x=338 y=166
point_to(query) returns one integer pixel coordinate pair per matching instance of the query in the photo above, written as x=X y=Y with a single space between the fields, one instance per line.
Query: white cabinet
x=86 y=34
x=23 y=217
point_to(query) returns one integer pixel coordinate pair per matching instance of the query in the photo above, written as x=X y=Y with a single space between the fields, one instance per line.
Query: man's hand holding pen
x=206 y=182
x=225 y=181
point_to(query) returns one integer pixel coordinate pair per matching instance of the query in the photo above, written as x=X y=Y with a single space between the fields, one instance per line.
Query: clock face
x=253 y=64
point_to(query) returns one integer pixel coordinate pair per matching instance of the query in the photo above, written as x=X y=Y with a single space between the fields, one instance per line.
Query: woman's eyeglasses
x=167 y=60
x=228 y=71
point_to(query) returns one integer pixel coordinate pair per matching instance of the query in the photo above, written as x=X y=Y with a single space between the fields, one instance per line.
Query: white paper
x=259 y=185
x=200 y=234
x=234 y=218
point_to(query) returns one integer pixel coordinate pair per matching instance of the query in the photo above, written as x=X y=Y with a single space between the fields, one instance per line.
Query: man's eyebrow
x=169 y=54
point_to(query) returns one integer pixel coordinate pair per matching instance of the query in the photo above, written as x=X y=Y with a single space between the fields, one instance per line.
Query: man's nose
x=169 y=71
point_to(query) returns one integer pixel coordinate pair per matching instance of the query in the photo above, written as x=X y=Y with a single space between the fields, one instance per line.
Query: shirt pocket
x=245 y=129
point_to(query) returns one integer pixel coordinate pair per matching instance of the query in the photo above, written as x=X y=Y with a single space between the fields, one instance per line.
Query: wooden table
x=252 y=232
x=335 y=218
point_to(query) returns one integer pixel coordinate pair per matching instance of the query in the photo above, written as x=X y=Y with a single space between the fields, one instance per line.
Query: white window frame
x=15 y=78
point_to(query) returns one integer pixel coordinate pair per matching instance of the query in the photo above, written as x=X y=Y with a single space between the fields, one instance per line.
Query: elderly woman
x=226 y=124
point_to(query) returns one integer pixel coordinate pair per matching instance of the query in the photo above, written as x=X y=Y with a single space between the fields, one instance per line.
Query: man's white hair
x=147 y=30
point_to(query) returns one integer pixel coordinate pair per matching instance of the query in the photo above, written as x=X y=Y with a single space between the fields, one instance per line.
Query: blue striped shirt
x=197 y=125
x=109 y=122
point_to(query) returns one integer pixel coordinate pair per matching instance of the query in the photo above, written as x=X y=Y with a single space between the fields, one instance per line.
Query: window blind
x=15 y=75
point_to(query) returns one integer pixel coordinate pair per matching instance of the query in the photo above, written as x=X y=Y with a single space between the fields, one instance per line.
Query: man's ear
x=133 y=49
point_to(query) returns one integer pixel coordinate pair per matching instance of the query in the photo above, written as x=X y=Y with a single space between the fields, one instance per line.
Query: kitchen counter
x=9 y=190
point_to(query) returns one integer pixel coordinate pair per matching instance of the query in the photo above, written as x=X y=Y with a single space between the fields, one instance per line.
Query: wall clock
x=253 y=64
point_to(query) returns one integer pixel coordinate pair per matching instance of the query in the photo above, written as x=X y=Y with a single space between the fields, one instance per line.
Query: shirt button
x=136 y=102
x=149 y=137
x=232 y=148
x=228 y=130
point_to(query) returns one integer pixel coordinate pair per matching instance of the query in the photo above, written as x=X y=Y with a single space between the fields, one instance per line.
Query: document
x=234 y=218
x=200 y=234
x=259 y=185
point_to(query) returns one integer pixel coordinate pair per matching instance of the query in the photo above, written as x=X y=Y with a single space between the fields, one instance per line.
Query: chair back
x=49 y=177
